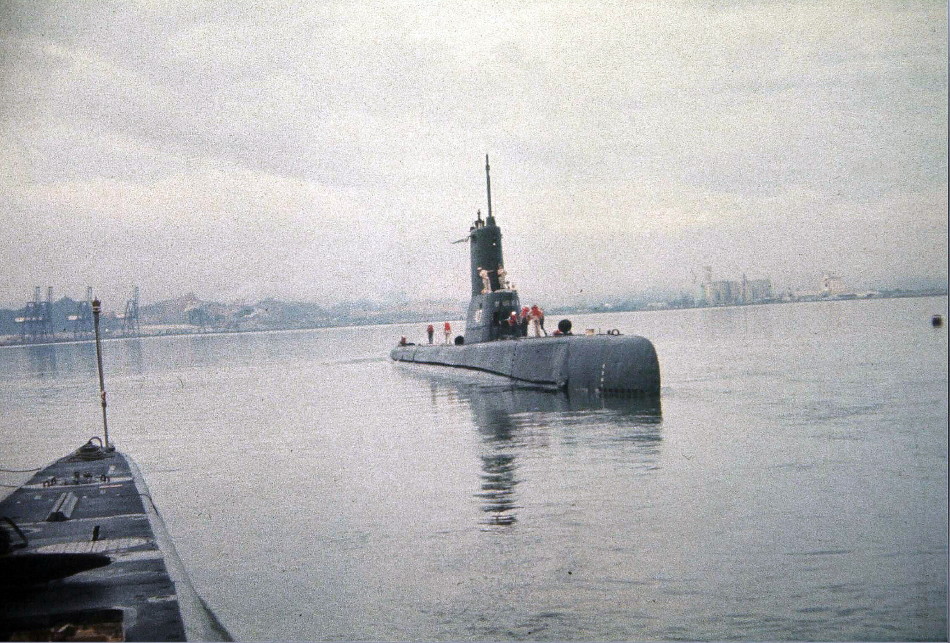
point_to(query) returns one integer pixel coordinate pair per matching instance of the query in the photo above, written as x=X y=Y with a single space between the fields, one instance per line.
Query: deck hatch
x=63 y=507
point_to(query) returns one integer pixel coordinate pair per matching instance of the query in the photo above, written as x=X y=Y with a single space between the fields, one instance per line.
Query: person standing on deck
x=514 y=326
x=448 y=333
x=430 y=331
x=525 y=312
x=535 y=316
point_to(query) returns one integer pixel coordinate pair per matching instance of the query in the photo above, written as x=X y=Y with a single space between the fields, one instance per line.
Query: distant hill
x=189 y=313
x=272 y=313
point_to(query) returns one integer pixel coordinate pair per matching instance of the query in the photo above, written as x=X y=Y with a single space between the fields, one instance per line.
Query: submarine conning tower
x=493 y=302
x=485 y=239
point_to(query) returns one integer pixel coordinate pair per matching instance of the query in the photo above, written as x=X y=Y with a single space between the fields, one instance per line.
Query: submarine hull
x=607 y=365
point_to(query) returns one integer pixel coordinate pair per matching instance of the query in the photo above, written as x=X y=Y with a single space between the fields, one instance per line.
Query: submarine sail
x=493 y=298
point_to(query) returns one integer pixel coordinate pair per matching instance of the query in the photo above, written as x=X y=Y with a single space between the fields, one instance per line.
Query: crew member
x=448 y=333
x=503 y=278
x=430 y=331
x=486 y=282
x=535 y=316
x=514 y=326
x=525 y=313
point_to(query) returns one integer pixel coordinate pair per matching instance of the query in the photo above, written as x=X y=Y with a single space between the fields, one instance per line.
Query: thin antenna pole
x=96 y=307
x=488 y=182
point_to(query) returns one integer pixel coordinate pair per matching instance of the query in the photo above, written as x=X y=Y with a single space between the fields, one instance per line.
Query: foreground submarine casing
x=624 y=365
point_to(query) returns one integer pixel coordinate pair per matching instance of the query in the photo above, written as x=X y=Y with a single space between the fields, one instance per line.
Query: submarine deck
x=90 y=559
x=609 y=364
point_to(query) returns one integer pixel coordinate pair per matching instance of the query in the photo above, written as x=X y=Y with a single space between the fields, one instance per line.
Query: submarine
x=605 y=365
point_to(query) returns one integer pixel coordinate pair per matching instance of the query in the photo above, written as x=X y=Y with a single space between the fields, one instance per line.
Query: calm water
x=793 y=486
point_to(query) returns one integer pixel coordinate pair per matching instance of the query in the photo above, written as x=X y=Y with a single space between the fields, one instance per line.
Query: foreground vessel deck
x=90 y=559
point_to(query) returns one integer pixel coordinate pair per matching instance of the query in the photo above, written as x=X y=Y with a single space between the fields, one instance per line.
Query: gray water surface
x=792 y=484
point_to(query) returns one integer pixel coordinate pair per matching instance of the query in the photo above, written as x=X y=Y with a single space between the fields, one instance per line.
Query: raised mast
x=488 y=184
x=96 y=308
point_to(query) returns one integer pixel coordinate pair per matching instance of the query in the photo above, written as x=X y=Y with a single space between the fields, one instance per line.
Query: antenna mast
x=488 y=183
x=96 y=307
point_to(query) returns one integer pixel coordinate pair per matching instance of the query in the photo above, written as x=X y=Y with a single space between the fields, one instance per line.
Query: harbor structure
x=832 y=285
x=81 y=320
x=36 y=323
x=130 y=319
x=731 y=292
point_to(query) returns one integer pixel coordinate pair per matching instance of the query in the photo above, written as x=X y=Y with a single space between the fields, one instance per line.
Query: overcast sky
x=241 y=150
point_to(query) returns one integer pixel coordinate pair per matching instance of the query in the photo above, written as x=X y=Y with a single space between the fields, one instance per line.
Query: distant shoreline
x=584 y=310
x=14 y=340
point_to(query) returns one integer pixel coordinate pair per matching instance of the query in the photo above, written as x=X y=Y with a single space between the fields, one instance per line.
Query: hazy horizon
x=332 y=152
x=648 y=295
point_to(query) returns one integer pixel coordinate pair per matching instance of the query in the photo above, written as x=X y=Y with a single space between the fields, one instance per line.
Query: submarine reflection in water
x=498 y=489
x=514 y=420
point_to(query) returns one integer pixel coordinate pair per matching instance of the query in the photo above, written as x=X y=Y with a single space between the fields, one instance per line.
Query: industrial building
x=731 y=293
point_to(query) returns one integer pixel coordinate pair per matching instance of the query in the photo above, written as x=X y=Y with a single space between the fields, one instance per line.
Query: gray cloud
x=255 y=149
